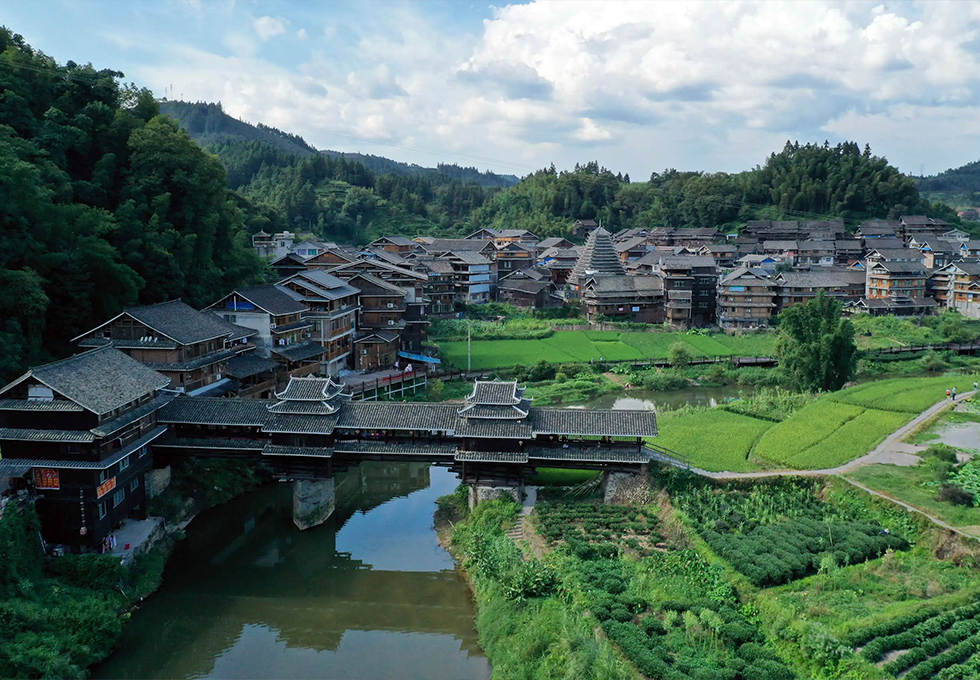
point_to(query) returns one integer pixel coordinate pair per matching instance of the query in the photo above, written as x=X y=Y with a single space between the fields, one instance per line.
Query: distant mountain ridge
x=207 y=123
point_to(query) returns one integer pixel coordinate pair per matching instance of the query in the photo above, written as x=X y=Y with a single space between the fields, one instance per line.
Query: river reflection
x=640 y=399
x=369 y=595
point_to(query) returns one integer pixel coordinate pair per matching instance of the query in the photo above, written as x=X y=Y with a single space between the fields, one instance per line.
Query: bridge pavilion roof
x=496 y=400
x=310 y=396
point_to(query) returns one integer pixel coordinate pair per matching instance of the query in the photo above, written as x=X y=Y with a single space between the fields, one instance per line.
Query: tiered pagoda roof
x=496 y=399
x=310 y=396
x=598 y=258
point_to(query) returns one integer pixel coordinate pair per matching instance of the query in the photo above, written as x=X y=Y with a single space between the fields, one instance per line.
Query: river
x=369 y=595
x=647 y=399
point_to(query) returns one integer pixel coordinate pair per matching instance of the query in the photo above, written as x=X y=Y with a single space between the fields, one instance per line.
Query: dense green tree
x=816 y=346
x=103 y=204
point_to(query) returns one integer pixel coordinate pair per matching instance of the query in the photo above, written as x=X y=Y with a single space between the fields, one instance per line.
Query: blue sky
x=638 y=86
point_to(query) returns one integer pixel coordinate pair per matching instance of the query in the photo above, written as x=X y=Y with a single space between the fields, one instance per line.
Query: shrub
x=679 y=355
x=951 y=493
x=943 y=452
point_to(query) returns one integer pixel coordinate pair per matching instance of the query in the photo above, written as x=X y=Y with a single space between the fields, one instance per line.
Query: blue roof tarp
x=419 y=357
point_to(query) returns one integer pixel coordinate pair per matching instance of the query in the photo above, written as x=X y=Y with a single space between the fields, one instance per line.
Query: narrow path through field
x=891 y=451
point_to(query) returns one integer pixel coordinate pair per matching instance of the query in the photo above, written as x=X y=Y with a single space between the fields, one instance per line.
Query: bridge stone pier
x=314 y=501
x=626 y=488
x=478 y=493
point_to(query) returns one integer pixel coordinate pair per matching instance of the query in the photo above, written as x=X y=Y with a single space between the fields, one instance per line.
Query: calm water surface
x=369 y=595
x=647 y=399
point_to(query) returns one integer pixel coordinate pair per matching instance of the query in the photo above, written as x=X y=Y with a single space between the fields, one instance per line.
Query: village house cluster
x=683 y=277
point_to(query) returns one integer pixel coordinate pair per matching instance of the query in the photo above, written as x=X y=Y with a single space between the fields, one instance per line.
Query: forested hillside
x=956 y=186
x=809 y=181
x=382 y=165
x=103 y=203
x=208 y=124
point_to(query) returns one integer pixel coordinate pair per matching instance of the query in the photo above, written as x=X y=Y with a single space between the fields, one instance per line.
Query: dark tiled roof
x=271 y=299
x=376 y=336
x=310 y=389
x=296 y=451
x=367 y=415
x=100 y=380
x=247 y=365
x=59 y=405
x=30 y=435
x=200 y=443
x=491 y=392
x=491 y=456
x=300 y=424
x=528 y=286
x=492 y=429
x=110 y=426
x=445 y=245
x=404 y=448
x=181 y=322
x=568 y=421
x=207 y=411
x=299 y=352
x=899 y=267
x=467 y=257
x=395 y=240
x=499 y=411
x=821 y=279
x=598 y=454
x=197 y=362
x=304 y=408
x=551 y=242
x=598 y=256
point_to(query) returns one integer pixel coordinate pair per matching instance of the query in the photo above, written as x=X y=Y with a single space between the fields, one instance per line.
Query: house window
x=124 y=463
x=144 y=450
x=118 y=498
x=101 y=509
x=135 y=484
x=678 y=284
x=104 y=475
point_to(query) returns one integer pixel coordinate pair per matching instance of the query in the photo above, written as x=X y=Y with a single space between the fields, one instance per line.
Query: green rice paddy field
x=830 y=431
x=582 y=346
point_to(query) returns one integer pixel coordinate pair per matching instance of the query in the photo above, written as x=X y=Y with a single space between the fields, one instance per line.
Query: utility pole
x=469 y=345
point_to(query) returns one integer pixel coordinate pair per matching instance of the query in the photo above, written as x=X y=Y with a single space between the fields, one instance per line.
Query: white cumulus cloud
x=269 y=27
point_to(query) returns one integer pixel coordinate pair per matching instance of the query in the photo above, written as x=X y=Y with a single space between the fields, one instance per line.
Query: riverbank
x=65 y=614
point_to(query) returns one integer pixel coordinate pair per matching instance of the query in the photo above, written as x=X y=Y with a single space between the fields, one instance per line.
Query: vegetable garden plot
x=581 y=525
x=671 y=613
x=932 y=645
x=779 y=532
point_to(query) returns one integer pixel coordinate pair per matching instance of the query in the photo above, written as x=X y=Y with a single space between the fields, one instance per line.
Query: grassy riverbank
x=62 y=615
x=59 y=616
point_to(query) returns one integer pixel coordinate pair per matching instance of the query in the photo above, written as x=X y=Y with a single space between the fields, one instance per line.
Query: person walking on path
x=975 y=386
x=954 y=394
x=947 y=393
